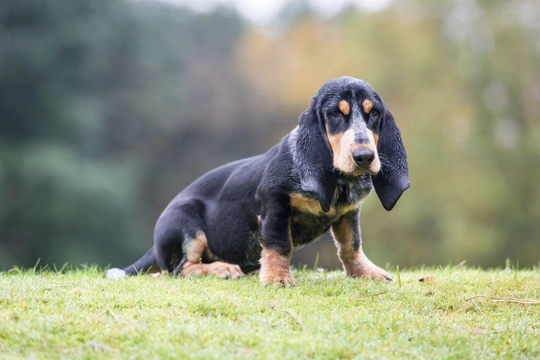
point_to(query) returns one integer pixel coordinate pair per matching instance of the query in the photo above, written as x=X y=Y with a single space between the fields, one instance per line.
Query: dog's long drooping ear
x=393 y=178
x=317 y=173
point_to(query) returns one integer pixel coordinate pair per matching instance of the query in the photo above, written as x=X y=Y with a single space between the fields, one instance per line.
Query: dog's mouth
x=356 y=168
x=358 y=171
x=363 y=171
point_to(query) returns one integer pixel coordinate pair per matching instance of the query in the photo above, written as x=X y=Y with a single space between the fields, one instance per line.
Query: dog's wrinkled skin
x=250 y=214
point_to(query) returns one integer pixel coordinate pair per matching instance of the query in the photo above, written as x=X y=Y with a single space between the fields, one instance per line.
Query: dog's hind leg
x=174 y=230
x=170 y=233
x=181 y=246
x=196 y=261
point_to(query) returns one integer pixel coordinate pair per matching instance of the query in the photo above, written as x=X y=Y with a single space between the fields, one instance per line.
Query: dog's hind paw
x=115 y=274
x=220 y=269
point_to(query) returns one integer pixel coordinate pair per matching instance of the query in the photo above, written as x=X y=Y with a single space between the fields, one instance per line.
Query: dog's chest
x=309 y=221
x=306 y=227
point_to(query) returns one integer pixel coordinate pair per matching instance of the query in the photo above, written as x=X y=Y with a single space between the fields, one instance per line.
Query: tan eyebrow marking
x=367 y=105
x=344 y=107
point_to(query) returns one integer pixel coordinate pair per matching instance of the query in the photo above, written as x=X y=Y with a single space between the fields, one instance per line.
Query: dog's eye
x=374 y=119
x=336 y=113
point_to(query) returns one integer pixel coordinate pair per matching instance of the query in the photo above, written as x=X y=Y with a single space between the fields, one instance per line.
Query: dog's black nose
x=363 y=157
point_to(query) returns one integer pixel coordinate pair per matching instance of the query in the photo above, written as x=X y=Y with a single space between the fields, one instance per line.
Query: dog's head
x=350 y=133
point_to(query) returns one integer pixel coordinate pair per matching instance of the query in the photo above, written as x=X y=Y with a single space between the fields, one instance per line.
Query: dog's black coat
x=246 y=204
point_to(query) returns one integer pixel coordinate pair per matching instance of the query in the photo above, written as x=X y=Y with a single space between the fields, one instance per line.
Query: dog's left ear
x=393 y=178
x=317 y=172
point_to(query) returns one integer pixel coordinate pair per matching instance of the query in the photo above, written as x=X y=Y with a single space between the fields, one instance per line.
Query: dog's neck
x=346 y=188
x=296 y=148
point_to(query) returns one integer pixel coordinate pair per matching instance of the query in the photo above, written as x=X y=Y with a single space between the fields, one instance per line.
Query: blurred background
x=108 y=108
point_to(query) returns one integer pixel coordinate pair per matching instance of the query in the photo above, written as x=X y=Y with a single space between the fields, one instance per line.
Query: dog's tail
x=146 y=262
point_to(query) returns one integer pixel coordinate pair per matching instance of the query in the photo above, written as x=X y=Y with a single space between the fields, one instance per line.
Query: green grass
x=459 y=313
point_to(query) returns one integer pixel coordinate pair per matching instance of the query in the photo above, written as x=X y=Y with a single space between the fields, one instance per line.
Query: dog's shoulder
x=281 y=168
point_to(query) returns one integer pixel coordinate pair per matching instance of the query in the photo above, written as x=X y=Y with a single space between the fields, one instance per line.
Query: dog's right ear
x=393 y=179
x=315 y=156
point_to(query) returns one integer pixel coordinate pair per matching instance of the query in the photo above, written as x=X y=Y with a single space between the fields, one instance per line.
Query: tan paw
x=275 y=269
x=361 y=266
x=286 y=280
x=220 y=269
x=225 y=270
x=376 y=273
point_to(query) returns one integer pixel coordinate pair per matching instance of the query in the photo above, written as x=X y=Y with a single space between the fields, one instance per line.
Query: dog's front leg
x=277 y=247
x=346 y=233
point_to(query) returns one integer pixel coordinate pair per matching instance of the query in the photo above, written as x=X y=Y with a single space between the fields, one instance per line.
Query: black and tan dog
x=251 y=214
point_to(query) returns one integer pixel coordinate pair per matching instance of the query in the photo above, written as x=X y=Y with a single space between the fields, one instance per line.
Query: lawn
x=455 y=313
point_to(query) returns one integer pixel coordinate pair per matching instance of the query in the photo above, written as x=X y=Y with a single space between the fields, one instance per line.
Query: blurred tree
x=91 y=96
x=63 y=196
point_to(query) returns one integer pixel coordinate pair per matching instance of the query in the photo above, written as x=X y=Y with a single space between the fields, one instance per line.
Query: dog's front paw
x=376 y=273
x=275 y=269
x=369 y=270
x=286 y=280
x=361 y=266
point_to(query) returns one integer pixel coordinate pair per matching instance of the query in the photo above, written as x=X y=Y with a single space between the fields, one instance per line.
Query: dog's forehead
x=346 y=88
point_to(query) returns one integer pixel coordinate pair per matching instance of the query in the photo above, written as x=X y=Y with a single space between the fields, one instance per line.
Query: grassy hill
x=455 y=313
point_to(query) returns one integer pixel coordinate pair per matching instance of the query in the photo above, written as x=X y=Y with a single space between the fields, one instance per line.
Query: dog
x=249 y=215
